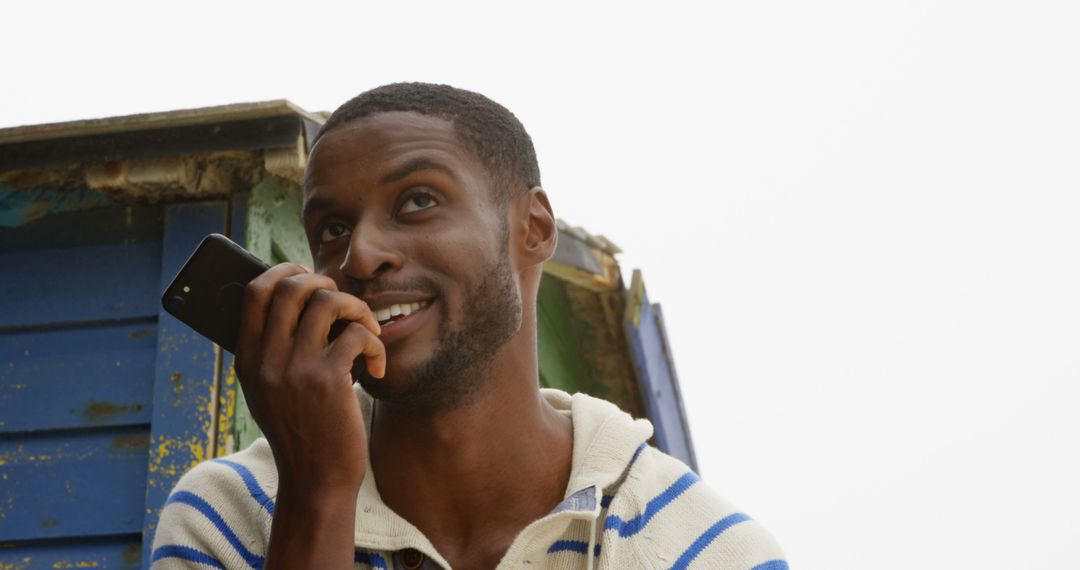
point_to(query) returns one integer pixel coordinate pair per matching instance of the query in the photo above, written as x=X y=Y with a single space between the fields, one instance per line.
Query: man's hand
x=299 y=391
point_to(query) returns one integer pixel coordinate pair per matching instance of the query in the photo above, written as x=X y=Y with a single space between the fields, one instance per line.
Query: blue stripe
x=772 y=565
x=253 y=560
x=636 y=524
x=185 y=553
x=708 y=536
x=638 y=453
x=579 y=546
x=605 y=501
x=253 y=487
x=370 y=558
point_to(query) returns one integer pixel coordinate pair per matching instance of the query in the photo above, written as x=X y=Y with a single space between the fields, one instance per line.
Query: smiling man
x=429 y=230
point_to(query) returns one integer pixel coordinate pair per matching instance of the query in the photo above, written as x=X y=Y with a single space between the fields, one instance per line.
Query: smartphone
x=207 y=294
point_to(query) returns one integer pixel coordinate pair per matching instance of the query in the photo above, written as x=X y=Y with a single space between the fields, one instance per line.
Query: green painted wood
x=582 y=347
x=274 y=232
x=561 y=363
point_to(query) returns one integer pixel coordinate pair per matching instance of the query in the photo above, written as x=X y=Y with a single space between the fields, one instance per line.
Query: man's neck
x=472 y=477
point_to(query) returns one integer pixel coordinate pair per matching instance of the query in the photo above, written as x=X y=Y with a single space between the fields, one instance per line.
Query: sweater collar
x=606 y=440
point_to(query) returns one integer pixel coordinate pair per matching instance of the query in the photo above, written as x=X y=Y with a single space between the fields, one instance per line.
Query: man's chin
x=398 y=385
x=423 y=391
x=376 y=387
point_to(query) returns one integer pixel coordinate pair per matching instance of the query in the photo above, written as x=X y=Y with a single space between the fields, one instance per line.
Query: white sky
x=861 y=219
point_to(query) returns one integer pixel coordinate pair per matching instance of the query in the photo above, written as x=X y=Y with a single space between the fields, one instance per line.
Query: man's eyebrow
x=415 y=165
x=315 y=204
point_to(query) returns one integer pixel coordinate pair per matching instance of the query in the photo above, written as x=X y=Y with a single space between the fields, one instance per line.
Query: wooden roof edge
x=158 y=120
x=596 y=241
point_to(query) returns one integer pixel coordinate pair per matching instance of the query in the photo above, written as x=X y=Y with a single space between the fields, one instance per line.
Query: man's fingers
x=354 y=341
x=326 y=307
x=288 y=312
x=291 y=296
x=258 y=294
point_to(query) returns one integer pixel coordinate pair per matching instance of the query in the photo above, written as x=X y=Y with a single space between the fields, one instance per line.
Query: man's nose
x=371 y=253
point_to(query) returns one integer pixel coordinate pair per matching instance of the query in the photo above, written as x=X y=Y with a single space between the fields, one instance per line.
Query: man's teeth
x=403 y=309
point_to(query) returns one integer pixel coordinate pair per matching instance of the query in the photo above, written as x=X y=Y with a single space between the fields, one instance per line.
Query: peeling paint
x=101 y=411
x=20 y=458
x=20 y=207
x=157 y=179
x=78 y=564
x=134 y=441
x=160 y=458
x=226 y=439
x=132 y=555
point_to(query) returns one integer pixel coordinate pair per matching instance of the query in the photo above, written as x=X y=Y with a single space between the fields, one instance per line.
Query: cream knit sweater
x=627 y=506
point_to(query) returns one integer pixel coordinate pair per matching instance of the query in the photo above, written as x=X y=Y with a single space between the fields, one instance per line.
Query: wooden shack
x=106 y=400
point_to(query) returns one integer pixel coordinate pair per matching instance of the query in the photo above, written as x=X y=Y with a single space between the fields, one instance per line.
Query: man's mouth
x=399 y=311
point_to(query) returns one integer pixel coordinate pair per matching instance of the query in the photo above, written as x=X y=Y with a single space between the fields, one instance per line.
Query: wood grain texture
x=186 y=370
x=65 y=483
x=77 y=377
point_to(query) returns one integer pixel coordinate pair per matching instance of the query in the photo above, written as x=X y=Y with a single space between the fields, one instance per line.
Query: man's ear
x=537 y=226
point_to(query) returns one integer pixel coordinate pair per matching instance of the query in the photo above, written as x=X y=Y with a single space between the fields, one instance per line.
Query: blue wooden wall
x=651 y=354
x=104 y=402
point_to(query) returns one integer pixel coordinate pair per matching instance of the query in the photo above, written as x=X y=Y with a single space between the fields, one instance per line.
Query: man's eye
x=333 y=232
x=417 y=203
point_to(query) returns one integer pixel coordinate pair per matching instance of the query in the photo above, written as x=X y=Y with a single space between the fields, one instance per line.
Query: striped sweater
x=627 y=505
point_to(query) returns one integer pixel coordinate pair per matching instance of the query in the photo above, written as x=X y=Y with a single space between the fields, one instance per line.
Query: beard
x=453 y=376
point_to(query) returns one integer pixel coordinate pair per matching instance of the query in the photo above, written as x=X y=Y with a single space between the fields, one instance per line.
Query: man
x=429 y=229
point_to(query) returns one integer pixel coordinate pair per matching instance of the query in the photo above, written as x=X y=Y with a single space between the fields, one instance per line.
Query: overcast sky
x=862 y=220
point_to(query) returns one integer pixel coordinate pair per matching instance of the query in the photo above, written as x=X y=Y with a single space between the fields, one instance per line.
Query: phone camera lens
x=176 y=303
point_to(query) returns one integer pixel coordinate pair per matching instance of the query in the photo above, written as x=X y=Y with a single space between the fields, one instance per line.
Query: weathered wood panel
x=120 y=552
x=73 y=378
x=37 y=220
x=72 y=483
x=185 y=378
x=582 y=346
x=272 y=230
x=656 y=373
x=79 y=284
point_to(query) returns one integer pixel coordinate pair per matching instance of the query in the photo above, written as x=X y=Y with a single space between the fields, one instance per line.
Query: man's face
x=400 y=213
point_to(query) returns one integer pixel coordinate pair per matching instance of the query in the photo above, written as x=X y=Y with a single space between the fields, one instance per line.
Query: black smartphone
x=207 y=294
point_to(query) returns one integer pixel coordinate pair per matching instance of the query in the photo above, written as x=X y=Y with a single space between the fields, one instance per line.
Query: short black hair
x=490 y=130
